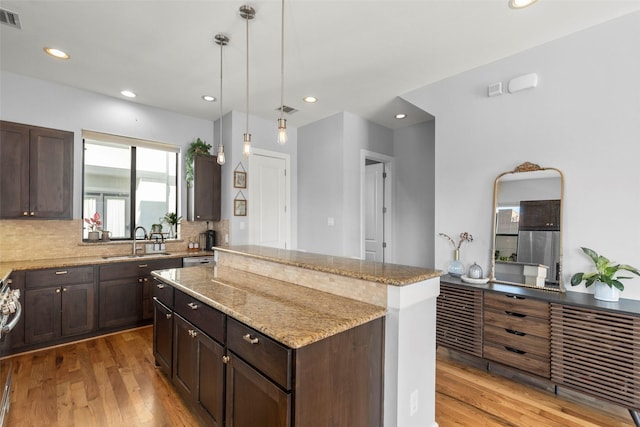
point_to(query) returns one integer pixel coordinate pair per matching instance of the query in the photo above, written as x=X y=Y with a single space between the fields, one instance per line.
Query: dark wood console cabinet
x=36 y=172
x=459 y=319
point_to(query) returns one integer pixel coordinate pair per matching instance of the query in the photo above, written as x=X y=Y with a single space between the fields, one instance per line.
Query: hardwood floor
x=113 y=381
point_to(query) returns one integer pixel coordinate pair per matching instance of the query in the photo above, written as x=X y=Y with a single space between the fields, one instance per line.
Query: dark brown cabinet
x=204 y=195
x=126 y=291
x=163 y=337
x=58 y=303
x=36 y=172
x=539 y=215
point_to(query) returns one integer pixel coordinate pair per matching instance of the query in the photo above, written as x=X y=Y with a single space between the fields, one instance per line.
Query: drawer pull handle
x=514 y=314
x=514 y=296
x=247 y=338
x=514 y=350
x=193 y=305
x=160 y=285
x=59 y=273
x=143 y=265
x=514 y=332
x=193 y=333
x=168 y=315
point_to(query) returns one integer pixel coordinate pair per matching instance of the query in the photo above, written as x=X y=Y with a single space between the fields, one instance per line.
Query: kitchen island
x=340 y=310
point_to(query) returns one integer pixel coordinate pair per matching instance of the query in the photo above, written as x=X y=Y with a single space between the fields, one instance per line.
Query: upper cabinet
x=204 y=195
x=540 y=215
x=36 y=172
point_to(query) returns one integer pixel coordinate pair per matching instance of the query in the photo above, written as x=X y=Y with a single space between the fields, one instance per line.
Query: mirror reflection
x=527 y=233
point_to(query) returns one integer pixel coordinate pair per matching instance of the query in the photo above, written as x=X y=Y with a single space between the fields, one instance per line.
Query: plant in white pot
x=608 y=286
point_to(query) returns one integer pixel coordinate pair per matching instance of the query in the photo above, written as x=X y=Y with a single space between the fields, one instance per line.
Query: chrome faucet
x=134 y=237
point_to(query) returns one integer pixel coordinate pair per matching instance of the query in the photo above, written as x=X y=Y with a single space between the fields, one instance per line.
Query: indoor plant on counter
x=608 y=286
x=94 y=225
x=173 y=220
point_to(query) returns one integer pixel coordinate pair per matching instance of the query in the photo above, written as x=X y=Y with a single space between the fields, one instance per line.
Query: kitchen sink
x=137 y=256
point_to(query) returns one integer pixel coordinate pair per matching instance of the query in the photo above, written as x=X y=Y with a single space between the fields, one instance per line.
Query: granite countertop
x=7 y=267
x=388 y=274
x=293 y=315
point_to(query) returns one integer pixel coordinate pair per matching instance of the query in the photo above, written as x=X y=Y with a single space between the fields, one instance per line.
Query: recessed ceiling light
x=128 y=94
x=519 y=4
x=310 y=99
x=400 y=116
x=56 y=53
x=209 y=98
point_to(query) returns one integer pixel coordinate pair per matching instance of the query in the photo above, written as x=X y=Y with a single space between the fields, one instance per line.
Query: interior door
x=374 y=212
x=269 y=199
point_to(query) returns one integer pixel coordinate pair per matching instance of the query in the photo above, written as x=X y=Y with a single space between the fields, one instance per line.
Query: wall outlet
x=413 y=404
x=330 y=221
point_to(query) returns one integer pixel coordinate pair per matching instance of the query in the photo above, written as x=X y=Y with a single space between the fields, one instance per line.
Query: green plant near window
x=197 y=147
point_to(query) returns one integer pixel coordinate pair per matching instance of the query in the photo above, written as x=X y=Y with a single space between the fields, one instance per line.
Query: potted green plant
x=173 y=220
x=608 y=286
x=197 y=147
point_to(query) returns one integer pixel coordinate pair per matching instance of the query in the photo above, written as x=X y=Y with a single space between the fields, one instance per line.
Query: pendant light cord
x=221 y=44
x=282 y=63
x=247 y=74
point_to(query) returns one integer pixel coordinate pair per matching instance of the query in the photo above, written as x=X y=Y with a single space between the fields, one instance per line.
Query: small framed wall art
x=240 y=205
x=239 y=177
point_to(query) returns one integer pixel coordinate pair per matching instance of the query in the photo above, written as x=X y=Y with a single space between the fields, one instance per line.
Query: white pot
x=605 y=292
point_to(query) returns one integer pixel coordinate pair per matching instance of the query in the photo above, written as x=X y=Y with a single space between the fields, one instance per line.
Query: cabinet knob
x=249 y=339
x=193 y=306
x=32 y=214
x=168 y=315
x=57 y=290
x=193 y=333
x=25 y=213
x=65 y=290
x=225 y=359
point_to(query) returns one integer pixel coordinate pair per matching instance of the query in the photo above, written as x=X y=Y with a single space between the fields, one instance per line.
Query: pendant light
x=248 y=13
x=221 y=40
x=282 y=122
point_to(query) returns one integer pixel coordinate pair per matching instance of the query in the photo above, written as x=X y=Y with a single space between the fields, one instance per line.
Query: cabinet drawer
x=266 y=355
x=163 y=292
x=518 y=340
x=517 y=304
x=206 y=318
x=519 y=359
x=58 y=277
x=517 y=322
x=119 y=270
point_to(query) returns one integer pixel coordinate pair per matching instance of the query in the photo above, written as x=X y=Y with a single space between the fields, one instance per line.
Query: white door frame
x=253 y=196
x=389 y=252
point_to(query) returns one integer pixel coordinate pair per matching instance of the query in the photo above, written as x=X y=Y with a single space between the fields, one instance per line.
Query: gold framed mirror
x=527 y=227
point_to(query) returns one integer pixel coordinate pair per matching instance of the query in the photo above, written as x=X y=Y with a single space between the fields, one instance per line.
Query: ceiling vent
x=10 y=18
x=287 y=109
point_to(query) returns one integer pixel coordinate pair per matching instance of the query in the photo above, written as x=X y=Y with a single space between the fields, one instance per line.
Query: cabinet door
x=42 y=314
x=119 y=302
x=205 y=195
x=147 y=297
x=51 y=173
x=17 y=334
x=459 y=319
x=78 y=309
x=198 y=370
x=14 y=170
x=253 y=400
x=163 y=336
x=540 y=215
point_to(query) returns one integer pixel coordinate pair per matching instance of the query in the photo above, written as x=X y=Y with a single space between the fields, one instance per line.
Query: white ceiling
x=355 y=56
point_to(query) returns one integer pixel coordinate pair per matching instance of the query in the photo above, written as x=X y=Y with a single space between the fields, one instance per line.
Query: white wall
x=39 y=103
x=583 y=118
x=413 y=148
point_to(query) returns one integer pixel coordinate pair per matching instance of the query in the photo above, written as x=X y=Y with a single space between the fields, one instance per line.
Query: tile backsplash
x=43 y=239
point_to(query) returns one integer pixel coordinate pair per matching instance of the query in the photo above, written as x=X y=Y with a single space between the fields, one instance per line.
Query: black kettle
x=208 y=240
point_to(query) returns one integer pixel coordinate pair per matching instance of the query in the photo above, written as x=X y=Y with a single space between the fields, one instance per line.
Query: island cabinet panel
x=59 y=303
x=459 y=319
x=516 y=332
x=163 y=337
x=596 y=352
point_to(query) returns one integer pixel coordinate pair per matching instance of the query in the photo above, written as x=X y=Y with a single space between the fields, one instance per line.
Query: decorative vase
x=605 y=292
x=93 y=236
x=456 y=268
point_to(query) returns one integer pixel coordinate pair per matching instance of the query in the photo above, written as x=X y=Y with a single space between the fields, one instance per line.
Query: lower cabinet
x=233 y=375
x=58 y=303
x=459 y=319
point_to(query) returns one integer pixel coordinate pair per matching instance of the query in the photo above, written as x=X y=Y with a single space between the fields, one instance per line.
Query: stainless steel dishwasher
x=195 y=261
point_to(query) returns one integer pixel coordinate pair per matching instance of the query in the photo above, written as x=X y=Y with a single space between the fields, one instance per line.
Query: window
x=129 y=182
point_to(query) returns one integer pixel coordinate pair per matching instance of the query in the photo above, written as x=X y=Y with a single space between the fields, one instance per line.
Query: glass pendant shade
x=282 y=131
x=246 y=147
x=221 y=158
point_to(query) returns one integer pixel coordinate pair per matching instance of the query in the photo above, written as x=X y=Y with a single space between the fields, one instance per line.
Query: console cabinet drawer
x=208 y=319
x=517 y=340
x=517 y=358
x=266 y=355
x=517 y=322
x=517 y=304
